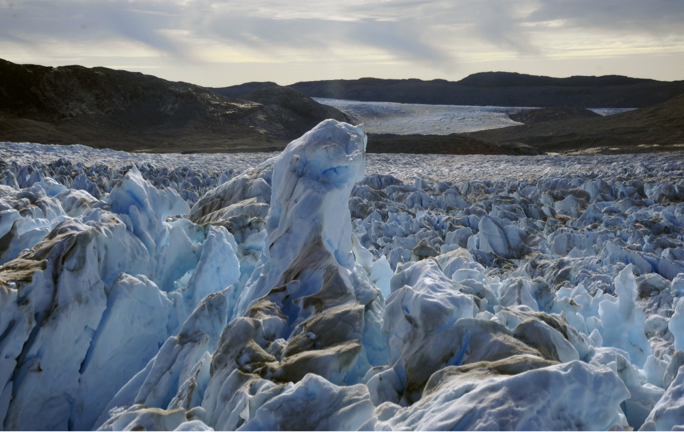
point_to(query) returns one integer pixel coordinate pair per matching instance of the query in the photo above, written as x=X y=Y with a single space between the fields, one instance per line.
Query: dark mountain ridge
x=242 y=89
x=292 y=109
x=503 y=89
x=514 y=79
x=131 y=111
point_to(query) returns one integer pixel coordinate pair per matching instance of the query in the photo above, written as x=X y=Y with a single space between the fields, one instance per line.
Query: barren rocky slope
x=131 y=111
x=656 y=128
x=552 y=114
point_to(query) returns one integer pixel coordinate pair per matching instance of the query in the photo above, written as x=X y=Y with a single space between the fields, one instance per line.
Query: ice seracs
x=623 y=321
x=93 y=285
x=312 y=404
x=573 y=396
x=253 y=291
x=60 y=298
x=312 y=180
x=309 y=306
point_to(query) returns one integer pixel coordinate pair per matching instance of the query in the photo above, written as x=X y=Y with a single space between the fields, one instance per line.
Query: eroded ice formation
x=299 y=293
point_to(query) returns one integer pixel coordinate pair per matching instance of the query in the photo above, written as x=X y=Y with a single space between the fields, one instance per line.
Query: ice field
x=409 y=119
x=325 y=289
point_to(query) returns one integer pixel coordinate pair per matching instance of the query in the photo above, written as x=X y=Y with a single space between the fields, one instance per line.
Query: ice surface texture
x=329 y=289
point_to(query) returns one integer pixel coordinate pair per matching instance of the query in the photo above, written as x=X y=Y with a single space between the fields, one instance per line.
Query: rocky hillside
x=552 y=114
x=130 y=111
x=295 y=111
x=503 y=89
x=656 y=128
x=242 y=89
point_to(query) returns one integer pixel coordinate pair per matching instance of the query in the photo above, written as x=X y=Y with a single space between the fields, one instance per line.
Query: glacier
x=410 y=119
x=322 y=288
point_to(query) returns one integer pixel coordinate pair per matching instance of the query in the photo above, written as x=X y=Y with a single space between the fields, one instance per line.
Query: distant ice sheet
x=408 y=119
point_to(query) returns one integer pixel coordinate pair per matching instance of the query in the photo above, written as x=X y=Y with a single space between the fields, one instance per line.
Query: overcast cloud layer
x=224 y=43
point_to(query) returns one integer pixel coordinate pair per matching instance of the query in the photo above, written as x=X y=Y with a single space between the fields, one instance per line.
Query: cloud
x=500 y=23
x=405 y=40
x=653 y=17
x=36 y=22
x=436 y=34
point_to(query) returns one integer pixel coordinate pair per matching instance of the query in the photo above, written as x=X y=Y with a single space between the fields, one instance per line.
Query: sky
x=223 y=43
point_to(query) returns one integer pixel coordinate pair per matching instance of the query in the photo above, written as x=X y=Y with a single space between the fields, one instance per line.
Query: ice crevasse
x=260 y=309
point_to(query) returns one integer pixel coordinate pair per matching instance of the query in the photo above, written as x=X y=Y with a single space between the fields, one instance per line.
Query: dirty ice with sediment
x=325 y=289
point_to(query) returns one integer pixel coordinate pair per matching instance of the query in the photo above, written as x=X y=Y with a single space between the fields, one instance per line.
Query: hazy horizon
x=219 y=44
